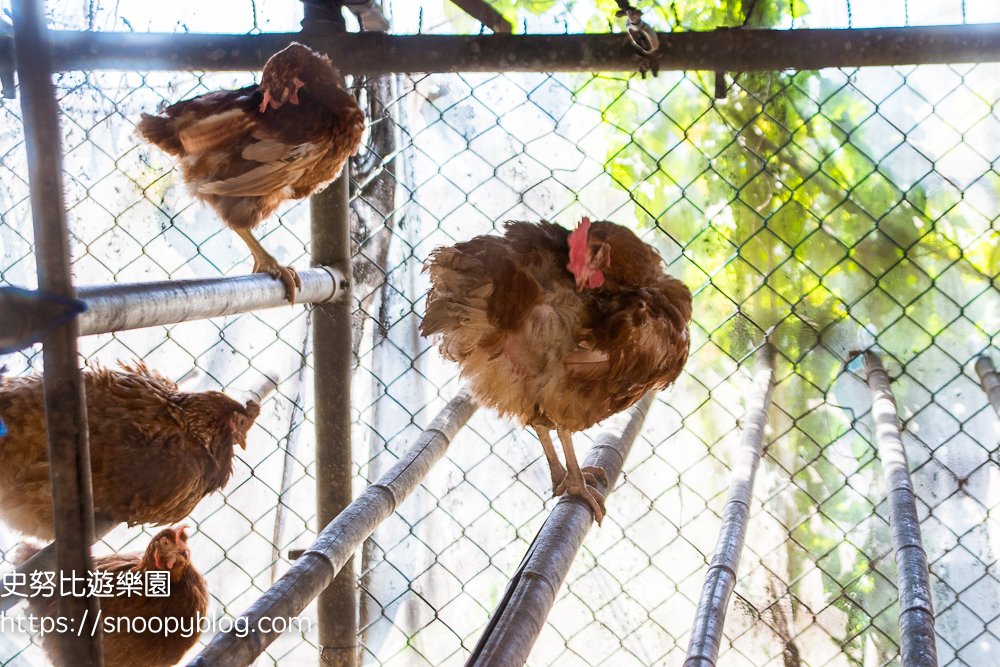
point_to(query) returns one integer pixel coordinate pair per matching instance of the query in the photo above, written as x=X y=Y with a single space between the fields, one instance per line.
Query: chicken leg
x=556 y=469
x=263 y=262
x=580 y=482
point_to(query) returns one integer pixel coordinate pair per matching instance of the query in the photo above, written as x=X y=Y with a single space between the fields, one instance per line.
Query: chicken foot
x=263 y=262
x=558 y=473
x=577 y=481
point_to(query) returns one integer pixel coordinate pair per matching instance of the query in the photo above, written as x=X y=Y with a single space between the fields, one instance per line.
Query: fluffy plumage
x=169 y=552
x=155 y=451
x=559 y=330
x=244 y=152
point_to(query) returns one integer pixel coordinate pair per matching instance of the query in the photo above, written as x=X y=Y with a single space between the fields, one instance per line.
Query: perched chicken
x=559 y=330
x=155 y=451
x=123 y=646
x=246 y=151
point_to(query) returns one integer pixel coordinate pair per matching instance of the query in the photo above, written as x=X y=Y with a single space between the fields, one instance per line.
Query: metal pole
x=65 y=402
x=134 y=306
x=706 y=636
x=373 y=54
x=518 y=619
x=916 y=610
x=990 y=381
x=335 y=546
x=337 y=604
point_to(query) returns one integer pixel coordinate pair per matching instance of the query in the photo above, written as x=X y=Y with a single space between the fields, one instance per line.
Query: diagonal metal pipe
x=520 y=616
x=706 y=636
x=335 y=545
x=916 y=610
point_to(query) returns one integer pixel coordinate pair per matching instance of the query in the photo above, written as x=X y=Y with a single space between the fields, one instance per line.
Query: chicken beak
x=581 y=281
x=267 y=100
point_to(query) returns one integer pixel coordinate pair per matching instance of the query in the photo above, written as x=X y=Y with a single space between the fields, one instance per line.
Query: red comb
x=578 y=246
x=177 y=534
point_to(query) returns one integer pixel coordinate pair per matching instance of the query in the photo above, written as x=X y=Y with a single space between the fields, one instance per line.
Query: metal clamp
x=341 y=282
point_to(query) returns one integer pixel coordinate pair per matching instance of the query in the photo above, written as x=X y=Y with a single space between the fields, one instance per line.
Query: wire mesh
x=829 y=211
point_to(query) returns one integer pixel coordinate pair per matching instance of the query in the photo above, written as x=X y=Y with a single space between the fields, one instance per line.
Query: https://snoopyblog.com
x=166 y=625
x=153 y=583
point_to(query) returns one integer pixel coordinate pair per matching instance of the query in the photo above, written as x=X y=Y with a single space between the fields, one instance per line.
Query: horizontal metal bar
x=518 y=619
x=134 y=306
x=706 y=636
x=370 y=53
x=916 y=610
x=320 y=563
x=990 y=381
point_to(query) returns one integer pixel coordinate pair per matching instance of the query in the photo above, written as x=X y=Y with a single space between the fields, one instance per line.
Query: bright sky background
x=237 y=16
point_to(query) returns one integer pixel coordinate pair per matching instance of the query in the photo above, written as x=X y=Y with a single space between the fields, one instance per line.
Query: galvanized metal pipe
x=134 y=306
x=916 y=610
x=65 y=404
x=518 y=619
x=333 y=367
x=706 y=636
x=335 y=546
x=370 y=53
x=990 y=381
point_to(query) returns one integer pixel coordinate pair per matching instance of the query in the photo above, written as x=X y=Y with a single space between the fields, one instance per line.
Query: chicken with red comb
x=155 y=451
x=245 y=152
x=132 y=643
x=559 y=330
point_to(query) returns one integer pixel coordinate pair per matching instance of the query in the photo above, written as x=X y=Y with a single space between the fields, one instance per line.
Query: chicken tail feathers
x=160 y=132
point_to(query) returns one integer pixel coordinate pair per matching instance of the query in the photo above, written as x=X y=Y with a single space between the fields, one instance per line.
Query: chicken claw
x=263 y=262
x=583 y=487
x=592 y=475
x=595 y=474
x=285 y=274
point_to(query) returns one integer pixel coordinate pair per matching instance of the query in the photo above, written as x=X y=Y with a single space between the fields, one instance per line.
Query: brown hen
x=559 y=330
x=155 y=451
x=123 y=646
x=245 y=152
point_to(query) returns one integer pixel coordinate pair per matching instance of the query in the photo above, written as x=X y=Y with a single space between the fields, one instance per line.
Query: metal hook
x=642 y=35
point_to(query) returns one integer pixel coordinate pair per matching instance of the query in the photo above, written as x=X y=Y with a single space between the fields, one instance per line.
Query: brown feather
x=188 y=600
x=155 y=451
x=533 y=348
x=216 y=138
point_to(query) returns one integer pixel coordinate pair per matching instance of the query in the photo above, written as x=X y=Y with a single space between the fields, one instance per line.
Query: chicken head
x=241 y=423
x=280 y=79
x=169 y=549
x=587 y=257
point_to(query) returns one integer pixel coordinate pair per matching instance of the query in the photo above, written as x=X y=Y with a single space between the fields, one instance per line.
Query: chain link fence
x=825 y=211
